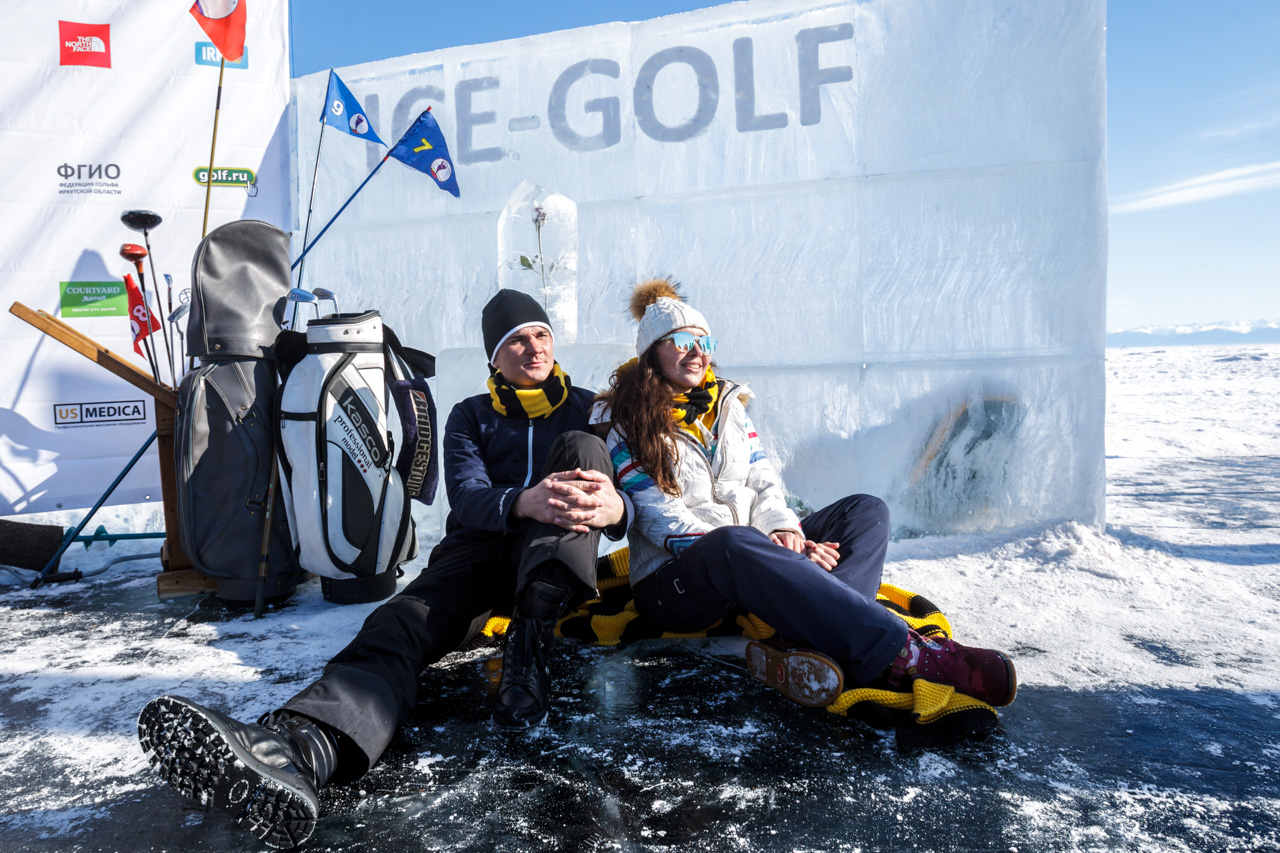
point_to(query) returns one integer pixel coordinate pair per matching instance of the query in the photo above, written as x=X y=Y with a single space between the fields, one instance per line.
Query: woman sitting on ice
x=713 y=532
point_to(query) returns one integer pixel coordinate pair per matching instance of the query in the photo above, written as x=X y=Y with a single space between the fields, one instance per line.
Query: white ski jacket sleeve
x=660 y=518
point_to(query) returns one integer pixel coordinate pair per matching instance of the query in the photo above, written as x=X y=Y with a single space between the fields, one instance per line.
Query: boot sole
x=193 y=753
x=1013 y=682
x=518 y=727
x=805 y=677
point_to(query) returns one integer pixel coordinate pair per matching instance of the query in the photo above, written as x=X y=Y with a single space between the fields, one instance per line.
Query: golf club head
x=179 y=314
x=140 y=220
x=133 y=253
x=300 y=310
x=326 y=298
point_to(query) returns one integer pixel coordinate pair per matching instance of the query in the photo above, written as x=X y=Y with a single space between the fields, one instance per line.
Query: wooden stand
x=179 y=576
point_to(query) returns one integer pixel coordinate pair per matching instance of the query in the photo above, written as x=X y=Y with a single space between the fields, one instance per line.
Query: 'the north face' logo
x=84 y=44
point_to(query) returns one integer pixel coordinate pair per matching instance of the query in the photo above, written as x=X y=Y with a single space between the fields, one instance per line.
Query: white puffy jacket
x=737 y=486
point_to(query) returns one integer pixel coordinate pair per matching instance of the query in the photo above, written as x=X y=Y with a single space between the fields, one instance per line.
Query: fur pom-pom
x=650 y=291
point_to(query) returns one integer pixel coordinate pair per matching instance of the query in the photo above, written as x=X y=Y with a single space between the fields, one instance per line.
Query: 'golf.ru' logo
x=224 y=177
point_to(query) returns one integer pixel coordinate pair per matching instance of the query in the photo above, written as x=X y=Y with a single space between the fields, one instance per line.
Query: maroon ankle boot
x=984 y=674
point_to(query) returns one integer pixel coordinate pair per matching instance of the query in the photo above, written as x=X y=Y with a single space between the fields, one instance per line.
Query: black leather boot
x=525 y=690
x=265 y=775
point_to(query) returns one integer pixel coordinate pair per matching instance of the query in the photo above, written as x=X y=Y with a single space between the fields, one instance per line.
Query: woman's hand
x=788 y=539
x=825 y=554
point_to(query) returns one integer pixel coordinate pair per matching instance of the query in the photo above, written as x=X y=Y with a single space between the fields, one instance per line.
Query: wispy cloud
x=1264 y=122
x=1244 y=179
x=1251 y=109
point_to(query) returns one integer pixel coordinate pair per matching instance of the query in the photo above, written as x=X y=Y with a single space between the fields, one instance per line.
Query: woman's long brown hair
x=639 y=398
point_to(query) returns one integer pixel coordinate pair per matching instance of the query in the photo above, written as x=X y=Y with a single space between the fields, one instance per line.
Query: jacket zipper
x=528 y=475
x=711 y=474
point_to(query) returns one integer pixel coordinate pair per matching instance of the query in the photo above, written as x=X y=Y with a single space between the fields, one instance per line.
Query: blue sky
x=1193 y=130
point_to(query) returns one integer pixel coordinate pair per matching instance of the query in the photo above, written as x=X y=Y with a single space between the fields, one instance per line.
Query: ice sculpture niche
x=538 y=253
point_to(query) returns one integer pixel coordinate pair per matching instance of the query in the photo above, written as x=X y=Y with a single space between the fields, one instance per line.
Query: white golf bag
x=345 y=406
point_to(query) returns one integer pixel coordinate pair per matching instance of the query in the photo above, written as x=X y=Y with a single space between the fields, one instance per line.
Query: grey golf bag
x=224 y=428
x=357 y=434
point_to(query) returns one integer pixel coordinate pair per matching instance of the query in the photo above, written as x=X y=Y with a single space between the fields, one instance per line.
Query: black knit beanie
x=505 y=314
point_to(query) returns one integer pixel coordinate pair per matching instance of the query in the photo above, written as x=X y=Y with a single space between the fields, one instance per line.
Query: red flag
x=141 y=319
x=223 y=21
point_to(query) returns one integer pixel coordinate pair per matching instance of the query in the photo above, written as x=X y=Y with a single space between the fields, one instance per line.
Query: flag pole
x=208 y=178
x=311 y=202
x=339 y=213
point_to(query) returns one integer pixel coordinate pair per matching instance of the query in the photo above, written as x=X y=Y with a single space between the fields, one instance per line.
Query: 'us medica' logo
x=67 y=415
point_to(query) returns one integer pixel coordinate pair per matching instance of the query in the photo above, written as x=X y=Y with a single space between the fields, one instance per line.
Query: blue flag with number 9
x=343 y=111
x=423 y=148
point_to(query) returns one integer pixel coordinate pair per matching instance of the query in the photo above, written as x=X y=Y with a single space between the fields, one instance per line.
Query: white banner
x=892 y=212
x=106 y=107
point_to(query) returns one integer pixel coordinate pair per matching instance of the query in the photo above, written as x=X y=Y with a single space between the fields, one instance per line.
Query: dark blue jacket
x=489 y=459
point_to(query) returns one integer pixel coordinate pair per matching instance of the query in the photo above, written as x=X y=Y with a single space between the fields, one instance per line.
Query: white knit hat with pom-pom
x=657 y=306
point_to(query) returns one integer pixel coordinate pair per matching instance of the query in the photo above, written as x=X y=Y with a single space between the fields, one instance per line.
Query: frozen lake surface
x=1148 y=716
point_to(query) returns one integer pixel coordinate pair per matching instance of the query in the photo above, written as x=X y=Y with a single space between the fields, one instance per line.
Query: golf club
x=299 y=302
x=178 y=316
x=184 y=297
x=135 y=253
x=168 y=286
x=145 y=221
x=323 y=295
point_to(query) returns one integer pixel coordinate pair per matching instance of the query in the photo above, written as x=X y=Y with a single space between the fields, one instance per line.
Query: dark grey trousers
x=370 y=688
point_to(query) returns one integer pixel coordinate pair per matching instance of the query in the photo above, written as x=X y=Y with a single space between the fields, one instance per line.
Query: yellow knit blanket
x=926 y=715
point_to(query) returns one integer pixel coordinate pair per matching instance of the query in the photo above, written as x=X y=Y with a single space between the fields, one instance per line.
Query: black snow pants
x=370 y=688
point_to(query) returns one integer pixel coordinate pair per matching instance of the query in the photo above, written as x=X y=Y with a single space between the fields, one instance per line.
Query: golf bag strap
x=323 y=349
x=421 y=363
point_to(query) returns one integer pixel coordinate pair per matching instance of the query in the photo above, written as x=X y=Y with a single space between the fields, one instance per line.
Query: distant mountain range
x=1241 y=332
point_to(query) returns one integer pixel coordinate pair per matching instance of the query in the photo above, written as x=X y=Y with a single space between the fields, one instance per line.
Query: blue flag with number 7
x=343 y=111
x=423 y=148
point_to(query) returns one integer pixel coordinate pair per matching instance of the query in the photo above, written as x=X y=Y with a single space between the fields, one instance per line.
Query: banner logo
x=67 y=415
x=224 y=177
x=84 y=44
x=208 y=54
x=93 y=299
x=362 y=422
x=359 y=124
x=90 y=179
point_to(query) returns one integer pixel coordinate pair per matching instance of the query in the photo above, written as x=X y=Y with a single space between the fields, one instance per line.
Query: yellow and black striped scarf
x=697 y=405
x=528 y=403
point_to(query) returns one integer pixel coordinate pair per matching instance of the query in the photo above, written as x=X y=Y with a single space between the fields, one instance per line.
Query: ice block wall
x=892 y=213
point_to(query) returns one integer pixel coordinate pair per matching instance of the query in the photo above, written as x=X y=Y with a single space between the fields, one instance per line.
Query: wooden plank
x=95 y=352
x=172 y=557
x=182 y=582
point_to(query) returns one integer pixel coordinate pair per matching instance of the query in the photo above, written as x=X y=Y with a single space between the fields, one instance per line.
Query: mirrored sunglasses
x=684 y=341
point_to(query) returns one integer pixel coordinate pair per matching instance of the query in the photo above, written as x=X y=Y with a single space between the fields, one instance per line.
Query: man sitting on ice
x=510 y=536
